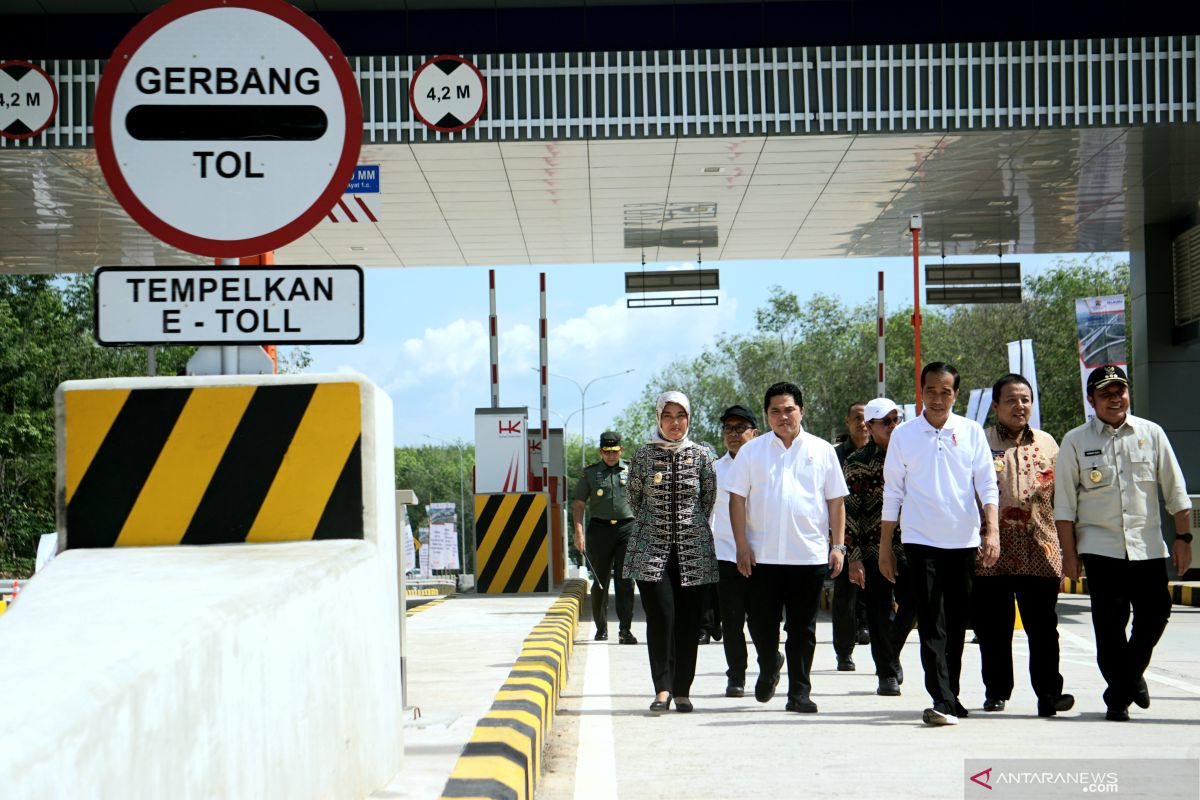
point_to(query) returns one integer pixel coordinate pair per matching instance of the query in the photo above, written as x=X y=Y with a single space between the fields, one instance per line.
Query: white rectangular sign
x=501 y=450
x=229 y=305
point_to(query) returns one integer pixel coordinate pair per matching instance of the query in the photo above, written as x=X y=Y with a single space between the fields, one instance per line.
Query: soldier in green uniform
x=601 y=490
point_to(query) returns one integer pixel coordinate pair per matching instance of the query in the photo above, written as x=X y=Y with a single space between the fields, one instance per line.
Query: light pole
x=583 y=407
x=462 y=525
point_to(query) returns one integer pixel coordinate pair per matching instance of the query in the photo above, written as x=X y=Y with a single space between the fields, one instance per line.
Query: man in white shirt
x=738 y=426
x=1110 y=471
x=787 y=511
x=938 y=470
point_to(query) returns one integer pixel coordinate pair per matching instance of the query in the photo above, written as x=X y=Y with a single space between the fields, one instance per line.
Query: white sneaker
x=934 y=717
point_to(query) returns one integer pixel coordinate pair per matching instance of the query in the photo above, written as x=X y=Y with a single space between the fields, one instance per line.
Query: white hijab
x=657 y=438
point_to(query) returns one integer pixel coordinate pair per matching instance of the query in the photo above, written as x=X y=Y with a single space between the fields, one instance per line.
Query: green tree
x=433 y=473
x=45 y=339
x=828 y=349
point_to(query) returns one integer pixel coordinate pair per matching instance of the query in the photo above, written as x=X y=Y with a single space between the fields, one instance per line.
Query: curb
x=503 y=759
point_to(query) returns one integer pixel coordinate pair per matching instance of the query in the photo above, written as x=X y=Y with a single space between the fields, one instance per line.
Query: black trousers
x=941 y=584
x=710 y=612
x=672 y=629
x=889 y=629
x=846 y=601
x=992 y=603
x=605 y=544
x=796 y=589
x=1116 y=586
x=732 y=590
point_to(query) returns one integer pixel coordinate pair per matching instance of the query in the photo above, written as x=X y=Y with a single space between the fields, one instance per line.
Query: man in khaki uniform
x=1109 y=473
x=601 y=491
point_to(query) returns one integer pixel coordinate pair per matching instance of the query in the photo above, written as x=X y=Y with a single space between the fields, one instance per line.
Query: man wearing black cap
x=738 y=426
x=1107 y=480
x=601 y=489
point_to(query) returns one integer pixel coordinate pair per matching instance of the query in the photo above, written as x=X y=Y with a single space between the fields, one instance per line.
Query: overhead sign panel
x=228 y=127
x=448 y=93
x=28 y=100
x=215 y=306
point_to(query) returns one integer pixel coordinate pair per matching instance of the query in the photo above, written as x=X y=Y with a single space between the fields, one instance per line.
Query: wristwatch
x=841 y=548
x=1184 y=537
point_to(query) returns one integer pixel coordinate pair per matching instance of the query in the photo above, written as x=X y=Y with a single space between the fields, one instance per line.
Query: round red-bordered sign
x=161 y=189
x=18 y=81
x=446 y=88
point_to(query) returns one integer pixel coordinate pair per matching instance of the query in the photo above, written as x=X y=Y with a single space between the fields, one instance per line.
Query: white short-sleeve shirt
x=721 y=527
x=787 y=490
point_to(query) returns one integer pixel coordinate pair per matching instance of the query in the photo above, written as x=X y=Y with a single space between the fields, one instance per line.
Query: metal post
x=151 y=361
x=915 y=227
x=879 y=322
x=462 y=513
x=494 y=344
x=229 y=353
x=544 y=355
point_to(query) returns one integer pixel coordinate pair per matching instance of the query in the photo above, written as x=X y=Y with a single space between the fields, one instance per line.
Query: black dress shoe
x=705 y=638
x=993 y=705
x=845 y=665
x=1141 y=697
x=1117 y=714
x=661 y=705
x=960 y=710
x=625 y=637
x=899 y=674
x=1052 y=705
x=601 y=636
x=888 y=687
x=717 y=634
x=683 y=706
x=764 y=687
x=801 y=705
x=735 y=690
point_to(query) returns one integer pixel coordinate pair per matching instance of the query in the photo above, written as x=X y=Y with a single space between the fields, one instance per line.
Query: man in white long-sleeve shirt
x=937 y=466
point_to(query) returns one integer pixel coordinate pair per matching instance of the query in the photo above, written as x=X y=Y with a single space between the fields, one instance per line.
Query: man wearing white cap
x=864 y=505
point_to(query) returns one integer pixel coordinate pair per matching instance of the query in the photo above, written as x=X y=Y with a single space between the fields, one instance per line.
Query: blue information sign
x=365 y=180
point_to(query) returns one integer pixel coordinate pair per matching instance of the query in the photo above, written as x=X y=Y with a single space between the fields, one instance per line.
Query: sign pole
x=915 y=227
x=229 y=353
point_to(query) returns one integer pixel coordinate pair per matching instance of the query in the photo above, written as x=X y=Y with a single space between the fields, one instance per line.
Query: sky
x=426 y=341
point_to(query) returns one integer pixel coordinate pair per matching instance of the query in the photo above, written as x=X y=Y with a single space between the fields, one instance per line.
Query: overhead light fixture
x=357 y=248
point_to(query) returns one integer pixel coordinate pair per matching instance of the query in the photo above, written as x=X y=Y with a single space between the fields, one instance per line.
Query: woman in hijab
x=671 y=555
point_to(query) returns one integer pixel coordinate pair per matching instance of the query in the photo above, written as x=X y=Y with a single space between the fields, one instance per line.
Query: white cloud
x=442 y=355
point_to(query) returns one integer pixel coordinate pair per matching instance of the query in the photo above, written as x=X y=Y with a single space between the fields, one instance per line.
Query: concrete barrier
x=224 y=670
x=503 y=759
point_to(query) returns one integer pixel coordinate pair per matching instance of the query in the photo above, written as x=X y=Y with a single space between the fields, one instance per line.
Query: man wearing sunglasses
x=864 y=479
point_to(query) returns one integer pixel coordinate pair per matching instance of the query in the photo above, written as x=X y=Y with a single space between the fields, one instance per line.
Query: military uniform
x=610 y=522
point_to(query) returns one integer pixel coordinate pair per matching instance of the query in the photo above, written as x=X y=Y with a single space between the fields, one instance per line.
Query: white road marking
x=596 y=757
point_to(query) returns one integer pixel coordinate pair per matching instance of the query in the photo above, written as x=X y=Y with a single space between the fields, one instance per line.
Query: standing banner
x=1101 y=325
x=425 y=552
x=443 y=536
x=979 y=403
x=407 y=543
x=1020 y=361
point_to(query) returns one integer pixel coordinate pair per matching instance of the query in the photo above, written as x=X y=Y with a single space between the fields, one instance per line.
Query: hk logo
x=983 y=778
x=513 y=426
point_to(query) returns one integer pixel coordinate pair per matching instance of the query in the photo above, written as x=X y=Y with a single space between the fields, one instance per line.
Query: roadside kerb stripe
x=503 y=759
x=1182 y=594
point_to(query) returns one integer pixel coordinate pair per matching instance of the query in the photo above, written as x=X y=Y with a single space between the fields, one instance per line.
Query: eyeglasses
x=736 y=430
x=889 y=421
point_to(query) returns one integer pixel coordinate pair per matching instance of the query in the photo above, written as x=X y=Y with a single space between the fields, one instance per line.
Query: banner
x=1100 y=322
x=443 y=536
x=1020 y=361
x=409 y=553
x=423 y=551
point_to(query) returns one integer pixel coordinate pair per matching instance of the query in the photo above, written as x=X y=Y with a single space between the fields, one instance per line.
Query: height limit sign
x=448 y=93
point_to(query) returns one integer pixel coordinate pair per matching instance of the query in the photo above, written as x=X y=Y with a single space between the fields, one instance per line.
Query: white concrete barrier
x=227 y=670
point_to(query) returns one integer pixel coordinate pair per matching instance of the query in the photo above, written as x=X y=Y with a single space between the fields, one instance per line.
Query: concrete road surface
x=606 y=743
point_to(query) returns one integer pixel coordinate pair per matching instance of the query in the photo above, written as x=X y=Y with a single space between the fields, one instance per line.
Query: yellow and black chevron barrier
x=211 y=464
x=503 y=759
x=510 y=535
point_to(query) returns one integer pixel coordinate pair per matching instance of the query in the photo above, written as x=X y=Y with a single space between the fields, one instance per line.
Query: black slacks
x=889 y=630
x=672 y=629
x=732 y=590
x=606 y=544
x=941 y=584
x=992 y=612
x=845 y=615
x=1117 y=585
x=796 y=589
